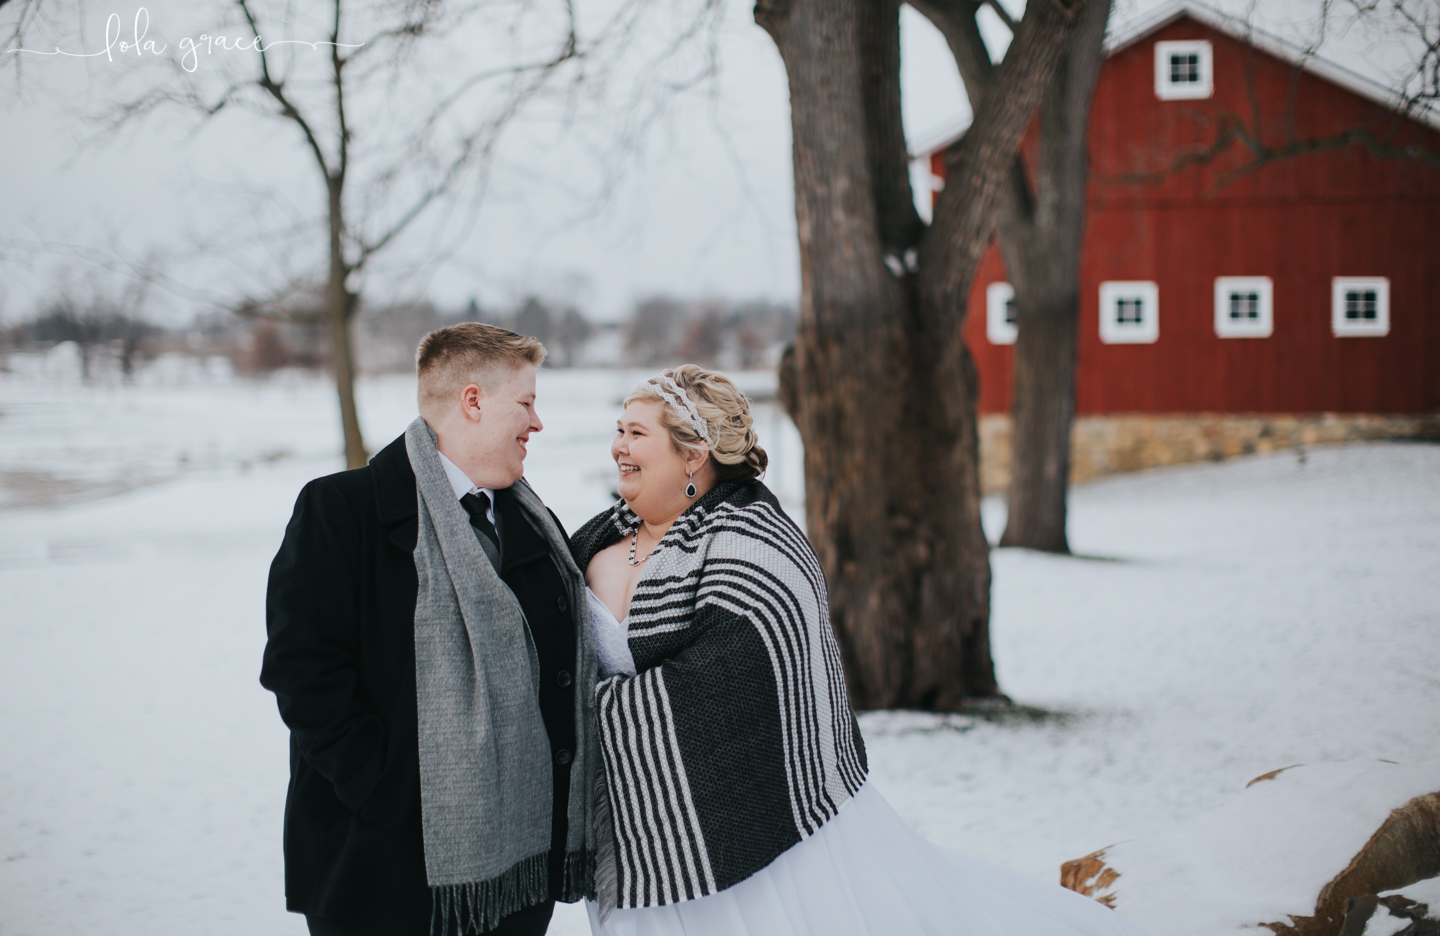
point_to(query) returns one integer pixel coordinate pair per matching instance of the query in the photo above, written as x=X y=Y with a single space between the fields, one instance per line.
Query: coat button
x=560 y=603
x=564 y=678
x=562 y=756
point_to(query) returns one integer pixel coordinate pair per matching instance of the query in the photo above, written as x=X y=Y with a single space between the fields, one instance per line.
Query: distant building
x=1296 y=304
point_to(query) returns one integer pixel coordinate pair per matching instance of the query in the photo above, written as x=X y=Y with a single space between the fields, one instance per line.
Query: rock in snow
x=1317 y=850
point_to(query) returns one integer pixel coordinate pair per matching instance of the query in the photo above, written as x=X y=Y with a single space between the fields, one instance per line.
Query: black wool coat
x=340 y=614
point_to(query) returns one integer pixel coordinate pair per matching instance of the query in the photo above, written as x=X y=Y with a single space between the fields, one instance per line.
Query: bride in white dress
x=735 y=770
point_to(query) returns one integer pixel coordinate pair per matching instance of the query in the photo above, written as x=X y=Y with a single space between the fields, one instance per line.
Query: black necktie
x=476 y=506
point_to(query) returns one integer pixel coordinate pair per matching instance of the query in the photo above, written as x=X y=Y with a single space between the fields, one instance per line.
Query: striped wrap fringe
x=606 y=881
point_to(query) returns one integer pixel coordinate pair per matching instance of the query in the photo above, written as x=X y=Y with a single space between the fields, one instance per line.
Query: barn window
x=1129 y=313
x=1360 y=306
x=1243 y=307
x=1183 y=71
x=1000 y=313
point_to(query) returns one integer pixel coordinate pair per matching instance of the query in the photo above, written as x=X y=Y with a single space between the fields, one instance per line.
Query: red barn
x=1293 y=304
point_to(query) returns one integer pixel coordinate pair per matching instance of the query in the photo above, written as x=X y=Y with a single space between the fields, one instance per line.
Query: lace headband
x=666 y=386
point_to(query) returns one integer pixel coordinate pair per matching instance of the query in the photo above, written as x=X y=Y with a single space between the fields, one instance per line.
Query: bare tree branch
x=477 y=145
x=1230 y=130
x=26 y=17
x=277 y=91
x=337 y=66
x=1003 y=13
x=382 y=176
x=955 y=19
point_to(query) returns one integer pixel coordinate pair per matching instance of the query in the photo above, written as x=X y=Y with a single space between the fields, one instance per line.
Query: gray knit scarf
x=485 y=771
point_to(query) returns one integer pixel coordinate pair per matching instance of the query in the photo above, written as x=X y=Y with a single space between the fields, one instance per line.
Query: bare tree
x=534 y=318
x=760 y=326
x=62 y=319
x=883 y=387
x=95 y=318
x=1041 y=222
x=392 y=142
x=571 y=333
x=132 y=334
x=323 y=122
x=651 y=333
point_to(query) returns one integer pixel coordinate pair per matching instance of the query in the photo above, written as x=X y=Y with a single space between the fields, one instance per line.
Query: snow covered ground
x=1225 y=620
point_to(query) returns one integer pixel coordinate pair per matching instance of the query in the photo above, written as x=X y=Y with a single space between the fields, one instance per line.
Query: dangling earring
x=690 y=488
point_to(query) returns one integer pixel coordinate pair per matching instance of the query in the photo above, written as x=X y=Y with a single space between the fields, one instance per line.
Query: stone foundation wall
x=1102 y=445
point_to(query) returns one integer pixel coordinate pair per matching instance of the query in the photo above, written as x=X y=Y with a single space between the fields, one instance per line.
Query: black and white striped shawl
x=735 y=740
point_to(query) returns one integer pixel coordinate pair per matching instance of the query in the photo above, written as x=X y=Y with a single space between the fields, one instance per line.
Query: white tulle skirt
x=867 y=873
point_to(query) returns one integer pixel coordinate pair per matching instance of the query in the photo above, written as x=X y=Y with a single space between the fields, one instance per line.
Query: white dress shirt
x=462 y=484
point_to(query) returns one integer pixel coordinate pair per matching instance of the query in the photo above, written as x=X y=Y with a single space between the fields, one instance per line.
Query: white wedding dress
x=864 y=873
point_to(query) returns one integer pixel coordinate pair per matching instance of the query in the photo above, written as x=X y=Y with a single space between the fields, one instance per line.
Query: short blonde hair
x=471 y=352
x=734 y=448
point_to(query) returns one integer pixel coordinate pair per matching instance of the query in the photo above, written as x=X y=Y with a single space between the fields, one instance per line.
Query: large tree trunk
x=341 y=304
x=1040 y=239
x=885 y=389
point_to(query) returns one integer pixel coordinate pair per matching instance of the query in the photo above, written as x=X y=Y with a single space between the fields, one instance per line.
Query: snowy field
x=1226 y=620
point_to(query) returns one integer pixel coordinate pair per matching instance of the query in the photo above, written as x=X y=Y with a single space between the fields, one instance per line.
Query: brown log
x=1404 y=850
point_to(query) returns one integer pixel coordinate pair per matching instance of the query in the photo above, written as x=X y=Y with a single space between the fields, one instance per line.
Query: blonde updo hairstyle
x=734 y=449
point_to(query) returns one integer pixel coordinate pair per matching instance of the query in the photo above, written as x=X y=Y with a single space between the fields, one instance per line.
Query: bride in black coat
x=735 y=774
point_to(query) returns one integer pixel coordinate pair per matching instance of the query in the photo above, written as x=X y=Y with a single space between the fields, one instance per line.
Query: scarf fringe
x=579 y=876
x=477 y=906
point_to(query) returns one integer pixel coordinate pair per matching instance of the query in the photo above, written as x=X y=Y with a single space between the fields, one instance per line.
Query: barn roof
x=1232 y=26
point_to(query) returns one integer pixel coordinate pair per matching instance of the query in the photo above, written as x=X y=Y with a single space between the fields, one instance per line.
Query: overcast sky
x=701 y=207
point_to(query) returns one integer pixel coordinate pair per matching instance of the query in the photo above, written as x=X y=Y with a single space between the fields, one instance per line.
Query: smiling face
x=653 y=472
x=485 y=432
x=507 y=418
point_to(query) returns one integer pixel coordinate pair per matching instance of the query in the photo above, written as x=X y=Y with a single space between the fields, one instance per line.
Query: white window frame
x=1262 y=327
x=1347 y=328
x=1167 y=90
x=999 y=331
x=1112 y=330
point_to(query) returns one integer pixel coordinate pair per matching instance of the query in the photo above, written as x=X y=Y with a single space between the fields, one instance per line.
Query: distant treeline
x=660 y=330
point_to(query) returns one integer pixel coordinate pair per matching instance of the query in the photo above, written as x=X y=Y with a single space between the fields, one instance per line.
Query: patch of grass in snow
x=21 y=489
x=1084 y=557
x=1089 y=557
x=901 y=722
x=1016 y=714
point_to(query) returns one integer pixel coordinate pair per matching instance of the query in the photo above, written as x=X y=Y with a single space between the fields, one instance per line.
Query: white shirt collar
x=462 y=484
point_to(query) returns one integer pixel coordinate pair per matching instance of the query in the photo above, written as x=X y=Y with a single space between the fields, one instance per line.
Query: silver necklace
x=633 y=541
